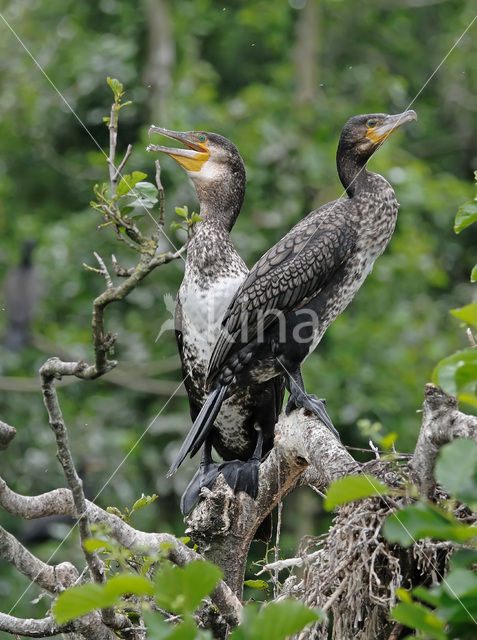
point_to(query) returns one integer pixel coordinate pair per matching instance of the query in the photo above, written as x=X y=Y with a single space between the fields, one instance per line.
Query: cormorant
x=297 y=289
x=213 y=273
x=21 y=292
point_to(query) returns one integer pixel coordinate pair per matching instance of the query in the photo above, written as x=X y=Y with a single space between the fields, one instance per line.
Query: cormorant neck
x=221 y=200
x=352 y=170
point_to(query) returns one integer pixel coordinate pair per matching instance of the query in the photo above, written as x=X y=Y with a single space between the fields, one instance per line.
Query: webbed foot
x=204 y=477
x=242 y=475
x=315 y=405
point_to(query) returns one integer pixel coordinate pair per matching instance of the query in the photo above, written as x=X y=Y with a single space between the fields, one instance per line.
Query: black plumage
x=307 y=279
x=213 y=273
x=21 y=294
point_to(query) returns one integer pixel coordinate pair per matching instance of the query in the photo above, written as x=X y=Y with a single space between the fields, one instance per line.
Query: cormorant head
x=207 y=156
x=213 y=163
x=363 y=135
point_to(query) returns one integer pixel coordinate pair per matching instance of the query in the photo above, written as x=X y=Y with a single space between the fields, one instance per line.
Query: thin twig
x=119 y=170
x=471 y=338
x=113 y=138
x=162 y=199
x=104 y=271
x=334 y=596
x=120 y=271
x=396 y=632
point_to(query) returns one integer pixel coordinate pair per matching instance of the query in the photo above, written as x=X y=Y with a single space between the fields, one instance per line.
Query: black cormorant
x=297 y=289
x=21 y=293
x=213 y=273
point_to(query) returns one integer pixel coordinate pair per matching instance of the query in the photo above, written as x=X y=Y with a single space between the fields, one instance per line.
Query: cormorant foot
x=204 y=477
x=314 y=404
x=242 y=476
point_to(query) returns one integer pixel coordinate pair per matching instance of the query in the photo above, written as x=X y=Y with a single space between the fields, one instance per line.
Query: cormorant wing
x=186 y=372
x=286 y=276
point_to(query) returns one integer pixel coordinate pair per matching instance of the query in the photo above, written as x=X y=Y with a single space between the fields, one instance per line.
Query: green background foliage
x=279 y=79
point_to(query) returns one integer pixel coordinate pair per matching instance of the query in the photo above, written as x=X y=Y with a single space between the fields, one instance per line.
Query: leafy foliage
x=422 y=520
x=456 y=470
x=77 y=601
x=181 y=591
x=354 y=488
x=457 y=374
x=449 y=609
x=275 y=621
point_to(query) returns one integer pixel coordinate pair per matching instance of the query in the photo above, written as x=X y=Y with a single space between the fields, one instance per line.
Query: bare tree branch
x=7 y=433
x=60 y=502
x=46 y=576
x=90 y=627
x=95 y=564
x=32 y=627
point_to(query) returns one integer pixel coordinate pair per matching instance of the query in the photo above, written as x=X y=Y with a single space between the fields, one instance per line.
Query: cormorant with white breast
x=297 y=289
x=213 y=273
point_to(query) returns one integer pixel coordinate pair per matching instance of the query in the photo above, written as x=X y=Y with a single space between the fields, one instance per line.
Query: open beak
x=192 y=158
x=389 y=125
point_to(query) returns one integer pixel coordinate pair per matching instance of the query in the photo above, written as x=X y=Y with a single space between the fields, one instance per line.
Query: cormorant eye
x=202 y=138
x=372 y=123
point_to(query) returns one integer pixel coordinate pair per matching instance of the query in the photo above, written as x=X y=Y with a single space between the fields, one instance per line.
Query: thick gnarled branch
x=442 y=422
x=224 y=524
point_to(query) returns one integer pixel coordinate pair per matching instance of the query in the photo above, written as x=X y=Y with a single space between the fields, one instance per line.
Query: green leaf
x=418 y=617
x=195 y=218
x=78 y=601
x=458 y=582
x=275 y=621
x=128 y=583
x=257 y=584
x=116 y=86
x=146 y=194
x=467 y=314
x=158 y=629
x=92 y=545
x=456 y=469
x=143 y=501
x=463 y=558
x=466 y=215
x=353 y=488
x=182 y=211
x=84 y=598
x=421 y=520
x=427 y=595
x=473 y=275
x=129 y=181
x=181 y=590
x=456 y=371
x=176 y=225
x=388 y=440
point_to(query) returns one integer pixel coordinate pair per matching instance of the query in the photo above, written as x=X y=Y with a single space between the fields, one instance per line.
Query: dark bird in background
x=297 y=289
x=21 y=294
x=241 y=427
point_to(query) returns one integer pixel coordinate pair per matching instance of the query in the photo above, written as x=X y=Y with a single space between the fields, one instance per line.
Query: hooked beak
x=389 y=125
x=192 y=159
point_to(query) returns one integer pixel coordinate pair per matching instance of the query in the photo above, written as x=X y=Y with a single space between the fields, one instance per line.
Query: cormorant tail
x=201 y=427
